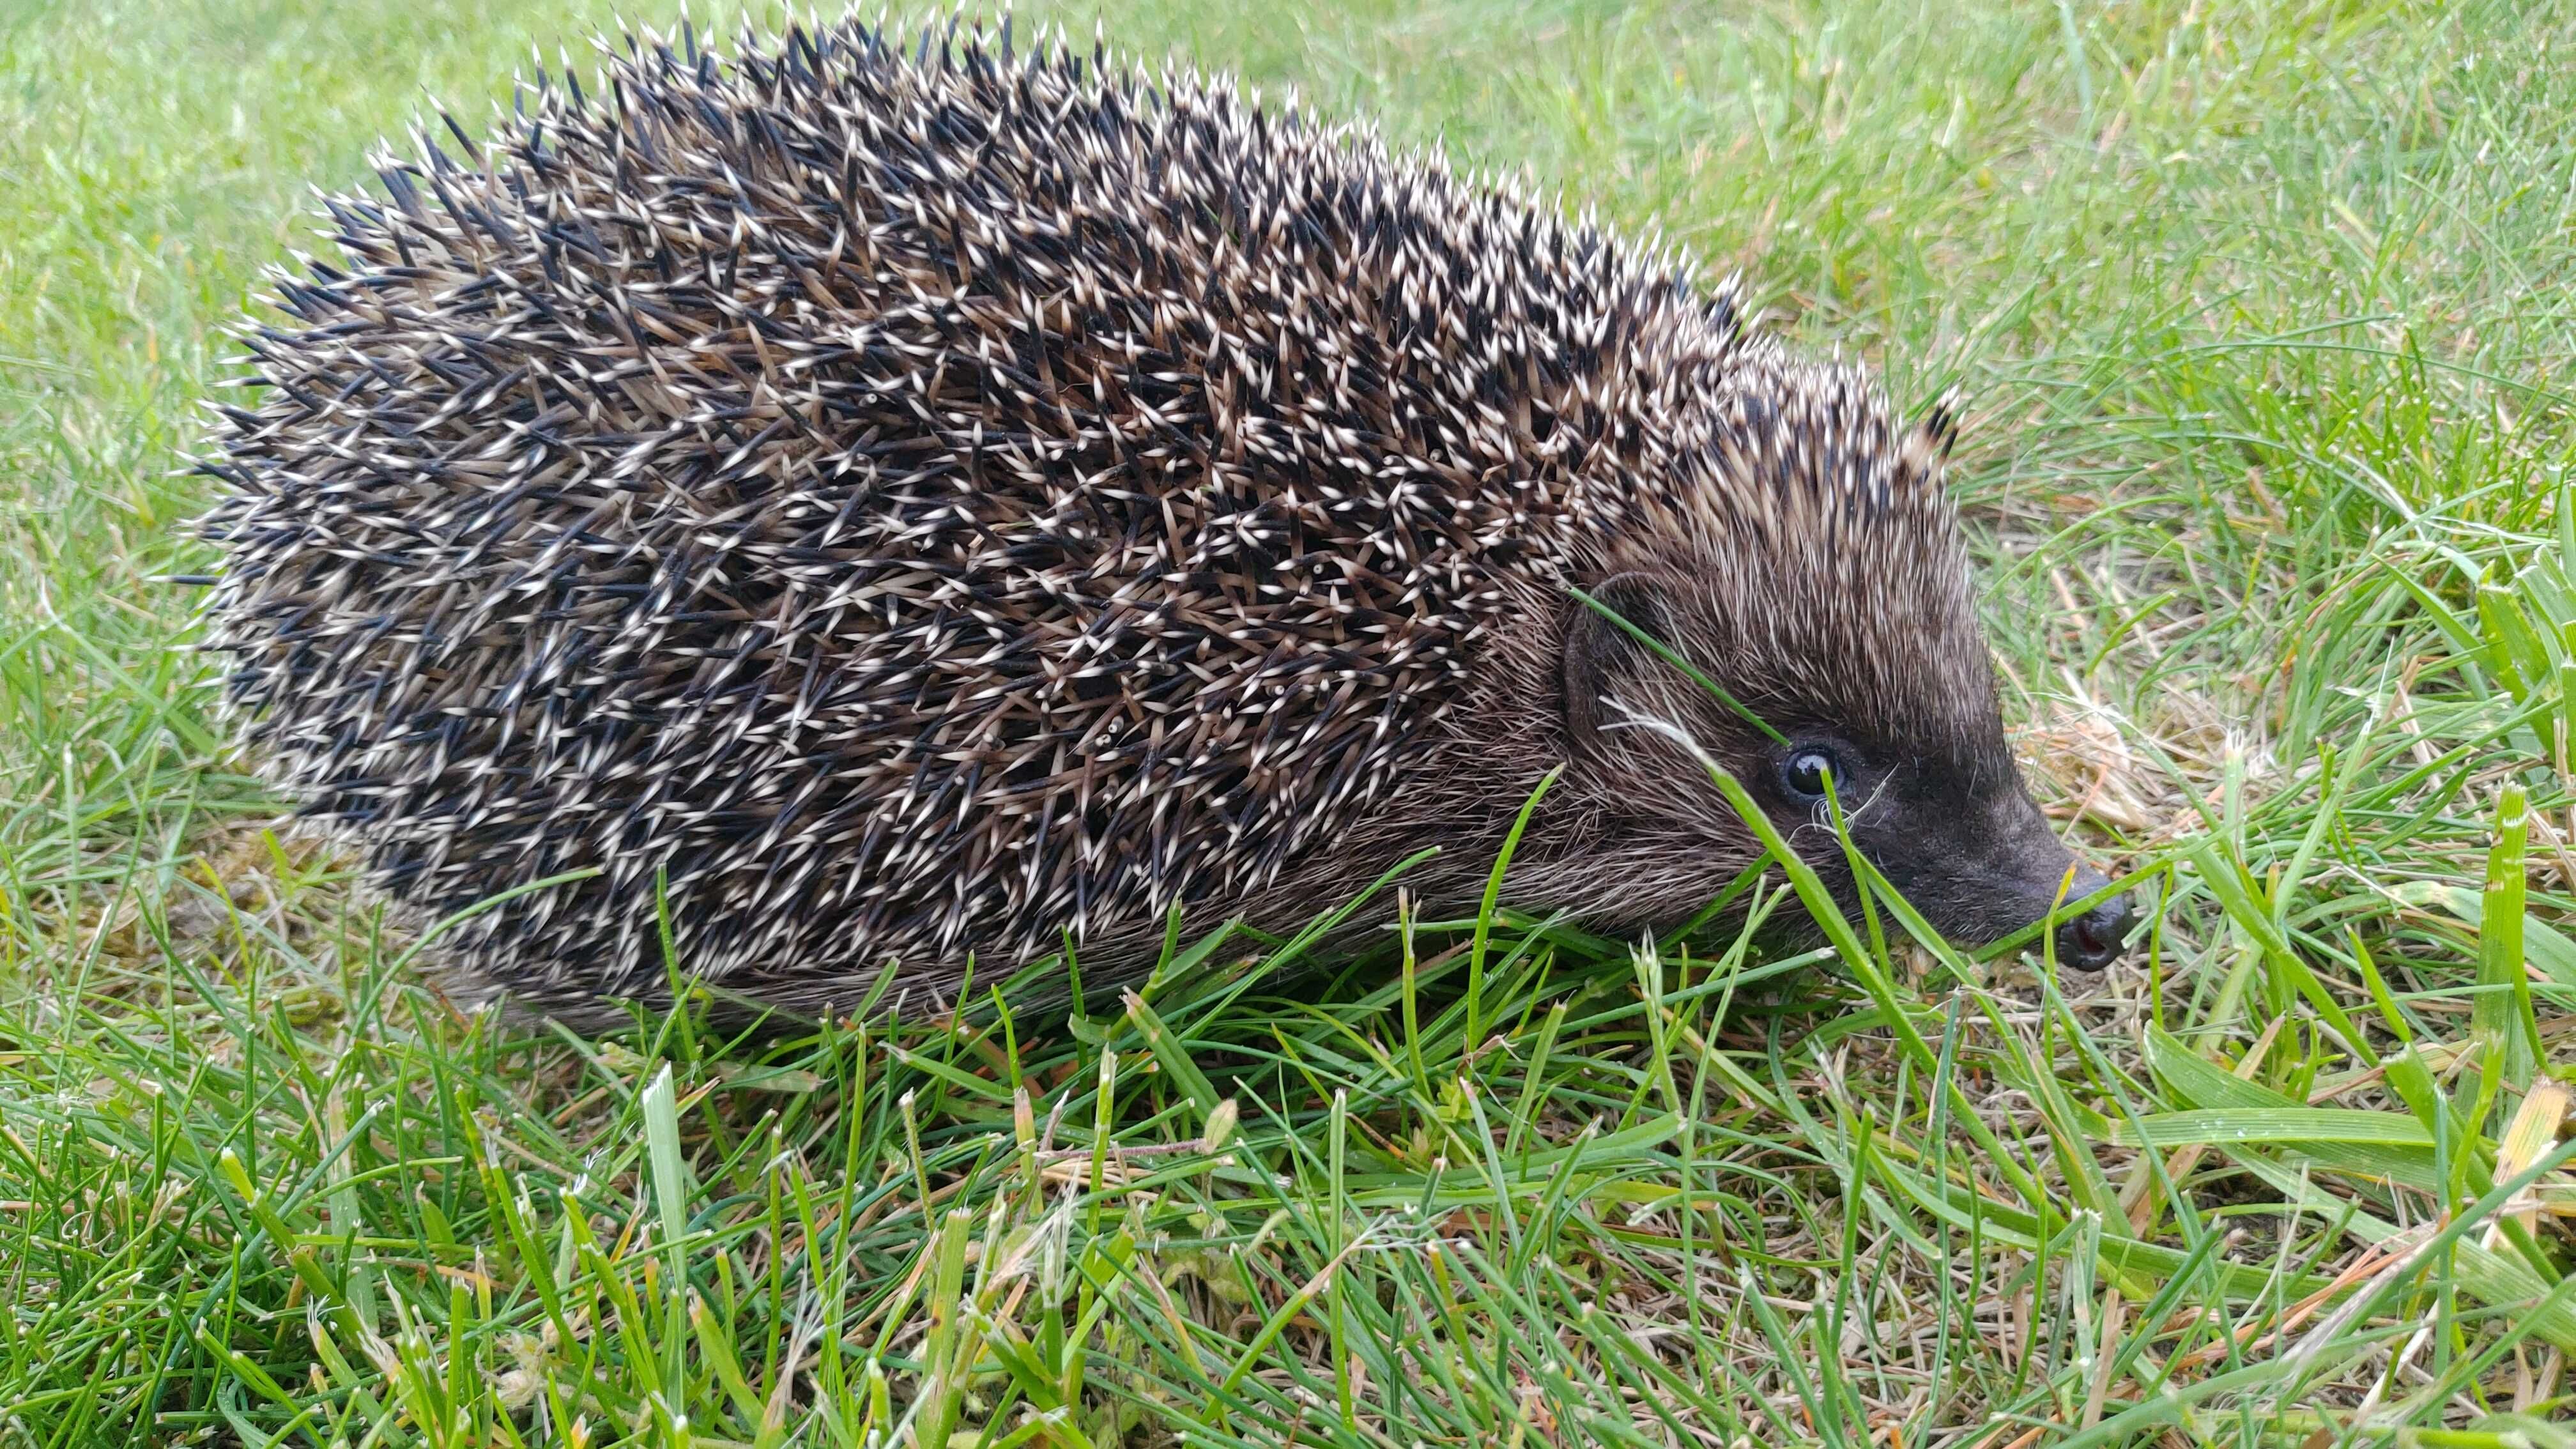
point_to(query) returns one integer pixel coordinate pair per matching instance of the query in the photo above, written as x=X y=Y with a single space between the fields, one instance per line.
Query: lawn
x=2267 y=313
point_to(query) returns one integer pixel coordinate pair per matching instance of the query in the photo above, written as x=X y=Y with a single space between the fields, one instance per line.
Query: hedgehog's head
x=1809 y=566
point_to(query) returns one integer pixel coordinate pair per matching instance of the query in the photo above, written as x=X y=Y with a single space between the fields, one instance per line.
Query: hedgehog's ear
x=1603 y=660
x=1928 y=446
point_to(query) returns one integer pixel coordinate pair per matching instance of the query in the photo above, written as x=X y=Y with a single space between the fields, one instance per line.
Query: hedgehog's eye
x=1804 y=768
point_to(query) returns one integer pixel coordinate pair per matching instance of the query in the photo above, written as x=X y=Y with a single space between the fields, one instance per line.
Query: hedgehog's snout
x=2045 y=878
x=2096 y=938
x=1995 y=872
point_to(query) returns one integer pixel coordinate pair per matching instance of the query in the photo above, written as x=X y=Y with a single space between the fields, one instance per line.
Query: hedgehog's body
x=922 y=505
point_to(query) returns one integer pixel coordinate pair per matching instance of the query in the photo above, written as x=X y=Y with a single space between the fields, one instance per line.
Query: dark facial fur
x=1814 y=573
x=915 y=503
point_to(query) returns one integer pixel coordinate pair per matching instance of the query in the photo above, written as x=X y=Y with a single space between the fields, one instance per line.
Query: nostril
x=2094 y=939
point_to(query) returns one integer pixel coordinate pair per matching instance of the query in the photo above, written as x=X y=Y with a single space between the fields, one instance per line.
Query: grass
x=2266 y=309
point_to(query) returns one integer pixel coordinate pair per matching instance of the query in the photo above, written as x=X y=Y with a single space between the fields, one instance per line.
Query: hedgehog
x=843 y=509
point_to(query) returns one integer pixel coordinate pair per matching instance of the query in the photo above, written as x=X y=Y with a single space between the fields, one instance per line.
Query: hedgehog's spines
x=1075 y=495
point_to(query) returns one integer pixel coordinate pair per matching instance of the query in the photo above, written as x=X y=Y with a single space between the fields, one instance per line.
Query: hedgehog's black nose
x=2095 y=939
